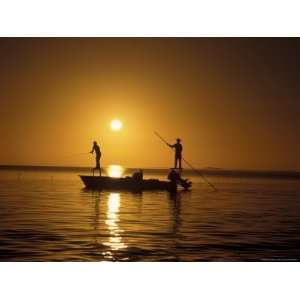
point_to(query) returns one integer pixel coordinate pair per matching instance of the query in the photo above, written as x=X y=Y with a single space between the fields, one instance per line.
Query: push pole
x=194 y=169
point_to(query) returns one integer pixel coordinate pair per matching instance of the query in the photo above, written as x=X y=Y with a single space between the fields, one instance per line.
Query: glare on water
x=112 y=222
x=49 y=216
x=115 y=171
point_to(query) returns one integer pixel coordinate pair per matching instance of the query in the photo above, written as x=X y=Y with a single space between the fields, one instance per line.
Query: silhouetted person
x=138 y=176
x=96 y=148
x=178 y=153
x=175 y=177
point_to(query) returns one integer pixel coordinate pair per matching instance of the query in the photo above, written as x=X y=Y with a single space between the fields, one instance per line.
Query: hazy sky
x=233 y=102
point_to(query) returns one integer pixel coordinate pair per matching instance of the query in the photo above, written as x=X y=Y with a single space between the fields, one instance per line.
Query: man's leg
x=175 y=164
x=98 y=165
x=179 y=162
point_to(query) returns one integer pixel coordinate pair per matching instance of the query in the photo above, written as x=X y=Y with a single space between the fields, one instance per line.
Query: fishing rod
x=72 y=154
x=196 y=170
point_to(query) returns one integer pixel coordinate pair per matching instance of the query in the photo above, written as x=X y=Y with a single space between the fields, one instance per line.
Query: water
x=48 y=216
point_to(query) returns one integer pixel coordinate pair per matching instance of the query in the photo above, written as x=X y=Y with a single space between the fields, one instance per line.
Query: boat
x=127 y=183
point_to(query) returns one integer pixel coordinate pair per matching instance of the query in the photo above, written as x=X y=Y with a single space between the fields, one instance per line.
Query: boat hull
x=127 y=183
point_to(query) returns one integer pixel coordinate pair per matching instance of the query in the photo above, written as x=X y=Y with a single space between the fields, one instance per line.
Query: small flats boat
x=128 y=183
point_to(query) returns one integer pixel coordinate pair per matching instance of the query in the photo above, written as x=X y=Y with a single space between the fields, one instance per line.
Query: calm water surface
x=50 y=217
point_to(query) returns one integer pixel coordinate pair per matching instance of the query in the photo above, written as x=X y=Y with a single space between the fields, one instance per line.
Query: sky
x=234 y=102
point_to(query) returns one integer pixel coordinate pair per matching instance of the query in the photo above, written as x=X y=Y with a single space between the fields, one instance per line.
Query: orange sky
x=233 y=102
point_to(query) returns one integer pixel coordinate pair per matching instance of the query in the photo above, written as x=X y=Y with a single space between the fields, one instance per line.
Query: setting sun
x=115 y=125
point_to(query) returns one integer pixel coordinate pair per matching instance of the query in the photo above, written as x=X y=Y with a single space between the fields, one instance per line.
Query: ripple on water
x=56 y=220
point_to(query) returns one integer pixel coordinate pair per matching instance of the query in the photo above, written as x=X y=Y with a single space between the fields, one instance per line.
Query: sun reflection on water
x=112 y=220
x=115 y=171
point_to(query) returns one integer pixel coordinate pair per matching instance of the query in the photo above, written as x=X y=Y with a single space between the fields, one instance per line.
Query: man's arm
x=92 y=151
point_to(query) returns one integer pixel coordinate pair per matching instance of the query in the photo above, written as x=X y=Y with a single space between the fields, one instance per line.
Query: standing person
x=96 y=148
x=178 y=153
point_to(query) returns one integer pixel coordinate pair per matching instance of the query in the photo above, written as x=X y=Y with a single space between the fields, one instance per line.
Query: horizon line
x=153 y=168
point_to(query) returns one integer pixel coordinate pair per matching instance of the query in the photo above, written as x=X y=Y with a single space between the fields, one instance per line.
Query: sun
x=116 y=125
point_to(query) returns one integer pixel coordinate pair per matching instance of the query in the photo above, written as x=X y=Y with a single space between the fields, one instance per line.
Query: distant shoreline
x=208 y=171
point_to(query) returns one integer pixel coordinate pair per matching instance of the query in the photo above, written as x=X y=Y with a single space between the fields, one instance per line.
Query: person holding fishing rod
x=96 y=148
x=178 y=152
